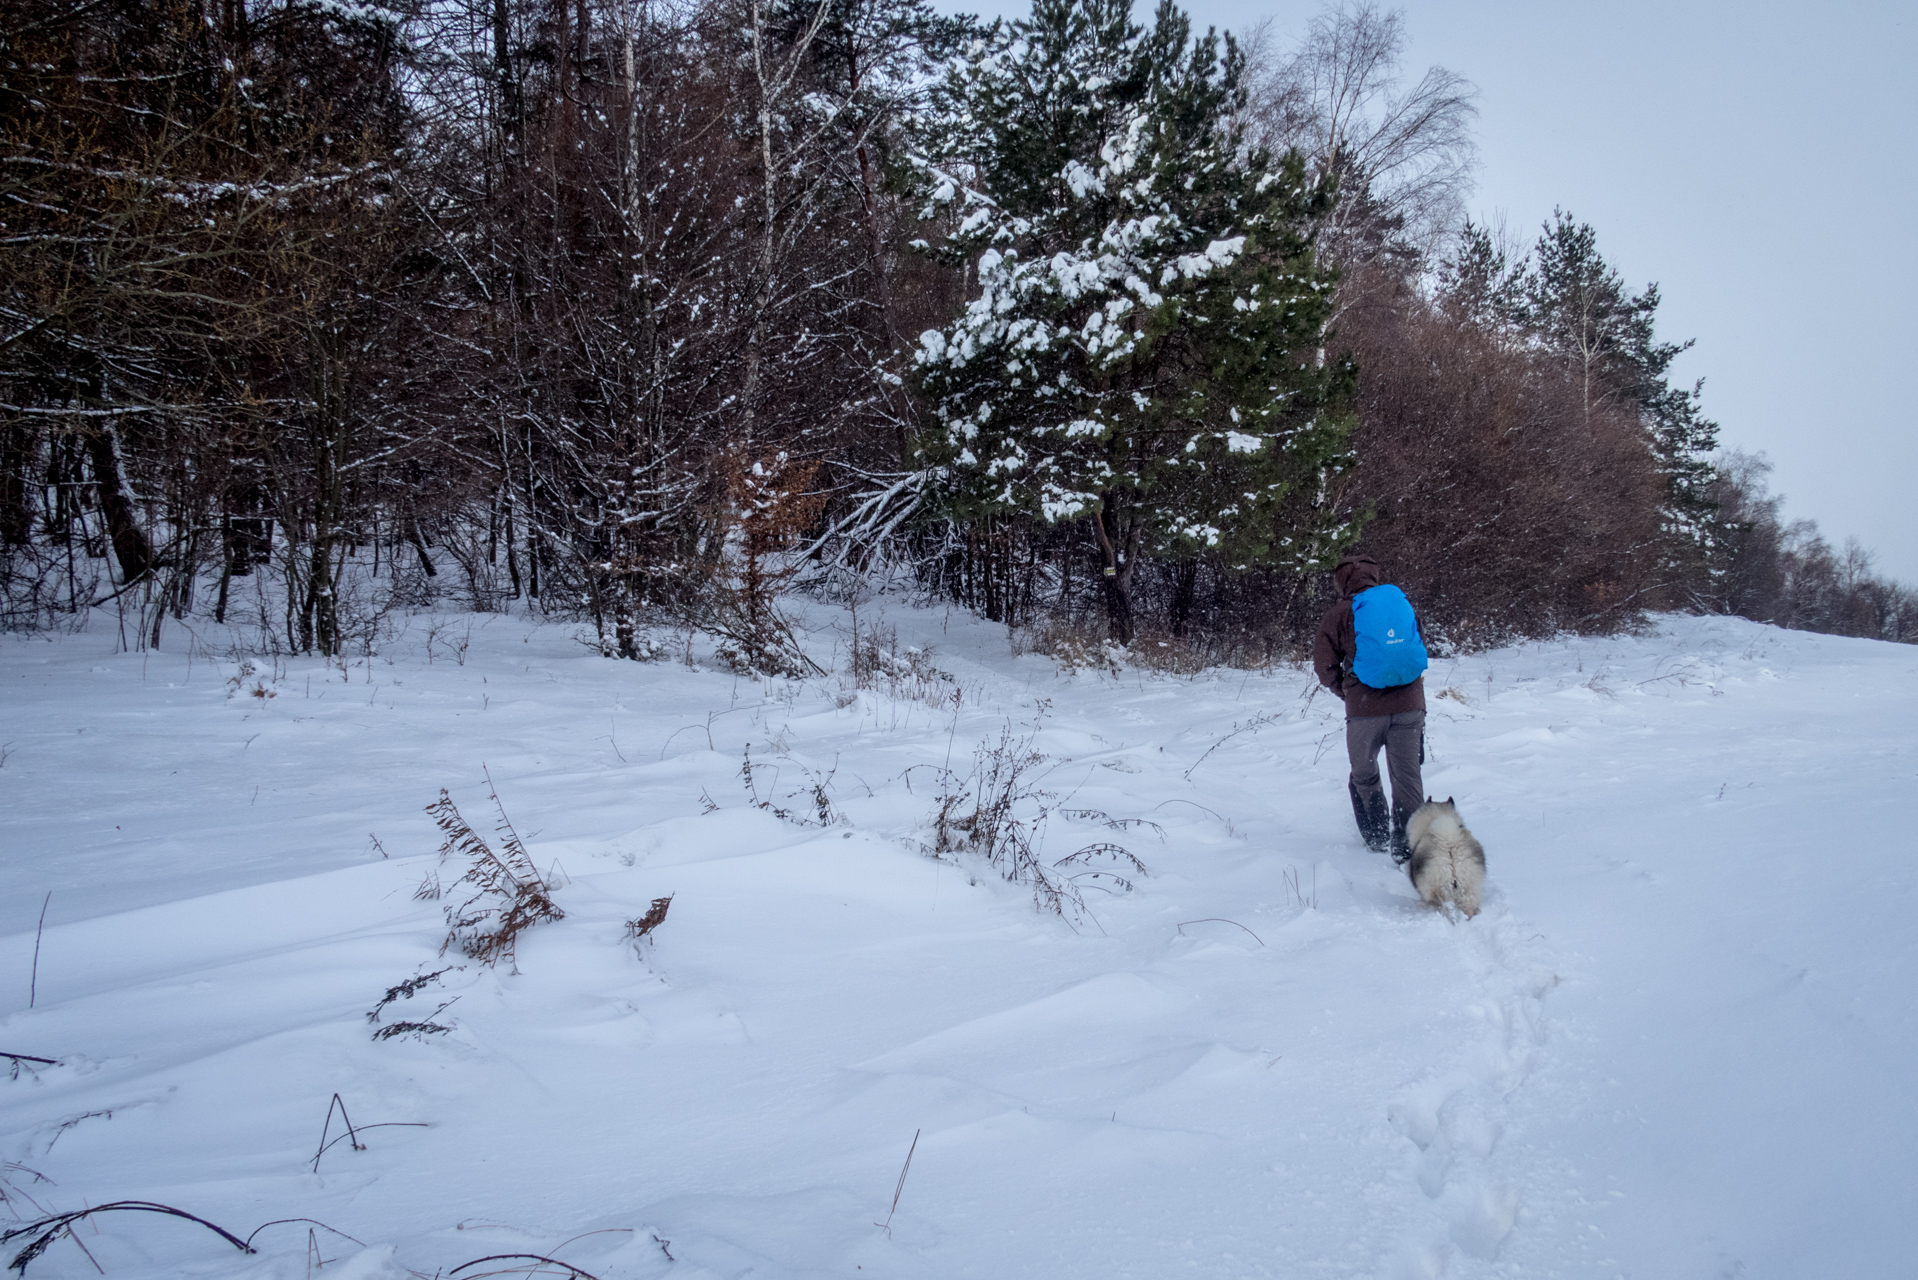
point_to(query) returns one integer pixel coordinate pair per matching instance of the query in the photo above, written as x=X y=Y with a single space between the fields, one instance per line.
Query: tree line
x=643 y=310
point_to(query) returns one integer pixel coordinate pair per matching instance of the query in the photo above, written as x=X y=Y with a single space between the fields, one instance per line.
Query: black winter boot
x=1401 y=846
x=1375 y=822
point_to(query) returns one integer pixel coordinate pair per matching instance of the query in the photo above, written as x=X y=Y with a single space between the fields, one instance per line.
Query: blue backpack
x=1390 y=651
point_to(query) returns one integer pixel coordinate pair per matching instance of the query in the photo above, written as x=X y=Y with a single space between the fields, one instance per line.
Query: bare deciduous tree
x=1404 y=156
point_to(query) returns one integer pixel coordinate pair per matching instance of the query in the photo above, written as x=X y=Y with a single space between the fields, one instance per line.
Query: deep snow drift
x=1677 y=1042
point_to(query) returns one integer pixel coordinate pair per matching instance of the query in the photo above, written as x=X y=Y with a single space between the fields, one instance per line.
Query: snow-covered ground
x=1677 y=1042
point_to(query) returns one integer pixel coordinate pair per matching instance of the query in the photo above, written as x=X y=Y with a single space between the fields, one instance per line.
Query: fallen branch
x=47 y=1230
x=27 y=1057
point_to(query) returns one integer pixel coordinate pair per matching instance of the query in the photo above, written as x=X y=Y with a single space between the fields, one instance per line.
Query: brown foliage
x=504 y=893
x=770 y=504
x=641 y=928
x=1500 y=502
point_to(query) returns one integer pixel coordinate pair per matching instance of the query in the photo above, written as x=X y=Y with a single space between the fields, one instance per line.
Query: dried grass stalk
x=999 y=812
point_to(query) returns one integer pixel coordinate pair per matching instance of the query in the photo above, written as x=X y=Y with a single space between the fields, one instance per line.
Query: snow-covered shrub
x=878 y=662
x=1074 y=647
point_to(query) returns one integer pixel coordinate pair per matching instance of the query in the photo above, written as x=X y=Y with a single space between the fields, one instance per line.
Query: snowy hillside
x=1678 y=1041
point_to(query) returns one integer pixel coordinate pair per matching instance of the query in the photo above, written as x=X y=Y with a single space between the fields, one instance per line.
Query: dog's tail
x=1467 y=876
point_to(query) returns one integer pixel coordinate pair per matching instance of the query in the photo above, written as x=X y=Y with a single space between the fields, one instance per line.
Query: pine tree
x=1143 y=353
x=1578 y=303
x=1479 y=284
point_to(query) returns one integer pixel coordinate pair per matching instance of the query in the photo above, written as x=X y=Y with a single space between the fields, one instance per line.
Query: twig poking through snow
x=886 y=1226
x=351 y=1133
x=384 y=1124
x=1221 y=920
x=1250 y=726
x=573 y=1272
x=325 y=1128
x=277 y=1222
x=33 y=983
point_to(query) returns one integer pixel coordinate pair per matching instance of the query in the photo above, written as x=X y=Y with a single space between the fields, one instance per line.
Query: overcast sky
x=1760 y=163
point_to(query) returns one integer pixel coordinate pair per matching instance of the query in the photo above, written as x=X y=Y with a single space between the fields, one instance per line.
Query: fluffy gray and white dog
x=1447 y=865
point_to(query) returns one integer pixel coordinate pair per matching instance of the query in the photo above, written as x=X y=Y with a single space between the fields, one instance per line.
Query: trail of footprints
x=1455 y=1116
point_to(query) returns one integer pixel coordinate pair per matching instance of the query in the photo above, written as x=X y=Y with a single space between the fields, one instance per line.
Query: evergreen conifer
x=1145 y=350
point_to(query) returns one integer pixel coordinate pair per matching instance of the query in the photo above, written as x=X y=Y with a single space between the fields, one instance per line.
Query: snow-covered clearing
x=1677 y=1042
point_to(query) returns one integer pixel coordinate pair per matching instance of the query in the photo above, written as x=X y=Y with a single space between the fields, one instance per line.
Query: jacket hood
x=1357 y=573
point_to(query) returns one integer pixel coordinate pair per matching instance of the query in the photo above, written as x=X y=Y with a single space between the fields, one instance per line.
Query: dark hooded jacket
x=1337 y=645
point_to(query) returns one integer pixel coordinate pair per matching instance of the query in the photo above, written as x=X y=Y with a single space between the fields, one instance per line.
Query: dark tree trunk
x=1185 y=581
x=130 y=545
x=16 y=507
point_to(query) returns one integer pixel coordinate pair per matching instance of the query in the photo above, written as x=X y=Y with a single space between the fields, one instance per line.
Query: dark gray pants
x=1403 y=738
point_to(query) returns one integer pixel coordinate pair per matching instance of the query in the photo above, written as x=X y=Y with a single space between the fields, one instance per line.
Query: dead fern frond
x=638 y=930
x=500 y=896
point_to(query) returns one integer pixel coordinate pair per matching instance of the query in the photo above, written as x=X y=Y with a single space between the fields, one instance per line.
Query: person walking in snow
x=1370 y=652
